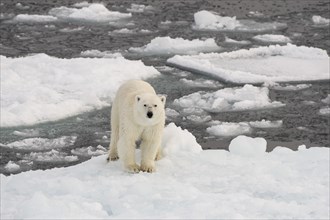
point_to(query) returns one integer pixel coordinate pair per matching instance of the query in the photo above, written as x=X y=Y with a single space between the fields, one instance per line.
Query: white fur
x=130 y=123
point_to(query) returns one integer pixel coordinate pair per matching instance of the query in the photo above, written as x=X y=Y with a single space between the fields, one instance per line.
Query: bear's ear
x=162 y=98
x=137 y=98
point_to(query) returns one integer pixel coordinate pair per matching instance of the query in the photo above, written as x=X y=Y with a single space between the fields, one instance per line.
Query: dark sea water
x=302 y=123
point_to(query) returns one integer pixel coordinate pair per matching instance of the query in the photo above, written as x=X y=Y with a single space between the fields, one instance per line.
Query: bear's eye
x=145 y=105
x=155 y=106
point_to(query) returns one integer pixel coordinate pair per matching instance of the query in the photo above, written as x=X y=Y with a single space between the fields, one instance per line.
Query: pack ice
x=273 y=63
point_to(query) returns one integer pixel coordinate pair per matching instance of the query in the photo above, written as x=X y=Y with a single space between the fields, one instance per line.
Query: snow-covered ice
x=206 y=20
x=100 y=54
x=266 y=124
x=168 y=45
x=273 y=63
x=272 y=38
x=318 y=20
x=40 y=144
x=247 y=97
x=245 y=183
x=42 y=88
x=325 y=111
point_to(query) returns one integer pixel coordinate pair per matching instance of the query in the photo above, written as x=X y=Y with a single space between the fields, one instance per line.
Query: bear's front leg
x=126 y=151
x=150 y=145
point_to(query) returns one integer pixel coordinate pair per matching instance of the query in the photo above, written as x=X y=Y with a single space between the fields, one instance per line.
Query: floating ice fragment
x=318 y=20
x=168 y=45
x=12 y=167
x=272 y=38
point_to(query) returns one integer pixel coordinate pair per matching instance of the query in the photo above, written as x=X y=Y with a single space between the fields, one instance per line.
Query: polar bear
x=138 y=113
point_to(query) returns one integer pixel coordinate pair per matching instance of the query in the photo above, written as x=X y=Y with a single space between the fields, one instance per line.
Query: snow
x=247 y=146
x=272 y=63
x=210 y=21
x=318 y=20
x=168 y=45
x=41 y=143
x=247 y=183
x=42 y=88
x=273 y=38
x=247 y=97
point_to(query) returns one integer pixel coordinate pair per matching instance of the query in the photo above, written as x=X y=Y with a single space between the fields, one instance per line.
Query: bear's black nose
x=150 y=114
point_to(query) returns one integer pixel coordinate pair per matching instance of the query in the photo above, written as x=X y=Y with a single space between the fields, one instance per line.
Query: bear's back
x=135 y=87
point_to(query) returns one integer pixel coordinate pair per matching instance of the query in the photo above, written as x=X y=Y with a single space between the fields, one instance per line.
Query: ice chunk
x=226 y=129
x=266 y=124
x=52 y=156
x=290 y=87
x=232 y=41
x=325 y=111
x=206 y=20
x=34 y=18
x=100 y=54
x=89 y=151
x=12 y=167
x=136 y=8
x=177 y=141
x=318 y=20
x=274 y=63
x=202 y=83
x=326 y=100
x=95 y=12
x=41 y=88
x=168 y=45
x=42 y=143
x=247 y=97
x=27 y=133
x=272 y=38
x=247 y=146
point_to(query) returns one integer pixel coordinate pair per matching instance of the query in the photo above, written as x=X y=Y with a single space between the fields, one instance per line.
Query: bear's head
x=149 y=109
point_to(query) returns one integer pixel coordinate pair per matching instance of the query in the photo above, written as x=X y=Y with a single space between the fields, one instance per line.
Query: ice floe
x=52 y=156
x=42 y=143
x=318 y=20
x=202 y=83
x=326 y=100
x=272 y=38
x=100 y=54
x=34 y=18
x=290 y=87
x=210 y=21
x=42 y=88
x=325 y=111
x=189 y=183
x=89 y=151
x=226 y=129
x=95 y=13
x=240 y=42
x=168 y=46
x=247 y=97
x=12 y=167
x=273 y=63
x=136 y=8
